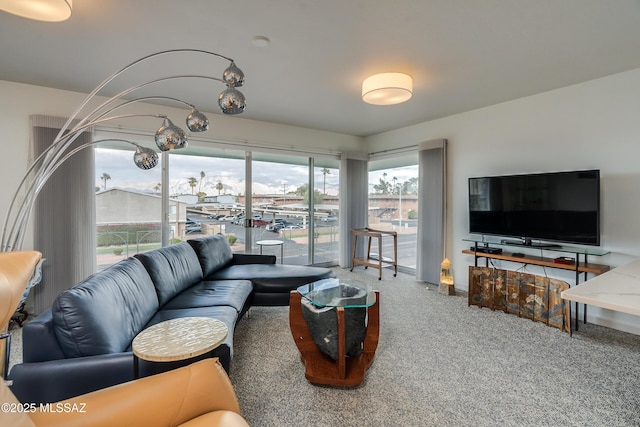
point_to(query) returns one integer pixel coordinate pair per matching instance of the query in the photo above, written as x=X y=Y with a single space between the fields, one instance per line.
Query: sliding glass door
x=393 y=204
x=305 y=220
x=247 y=196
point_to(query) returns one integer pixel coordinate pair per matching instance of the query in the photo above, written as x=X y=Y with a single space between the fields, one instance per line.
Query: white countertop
x=617 y=289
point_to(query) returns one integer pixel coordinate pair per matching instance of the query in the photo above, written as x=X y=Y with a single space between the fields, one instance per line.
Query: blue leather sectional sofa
x=83 y=342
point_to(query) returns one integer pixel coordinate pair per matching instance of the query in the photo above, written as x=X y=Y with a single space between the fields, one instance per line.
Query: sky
x=268 y=177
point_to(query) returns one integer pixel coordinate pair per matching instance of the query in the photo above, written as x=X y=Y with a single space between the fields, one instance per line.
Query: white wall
x=590 y=125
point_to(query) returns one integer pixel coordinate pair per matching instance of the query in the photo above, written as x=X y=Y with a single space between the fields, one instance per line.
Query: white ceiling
x=462 y=54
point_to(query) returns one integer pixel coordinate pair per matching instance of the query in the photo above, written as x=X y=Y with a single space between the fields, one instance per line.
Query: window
x=128 y=206
x=326 y=213
x=207 y=188
x=281 y=196
x=210 y=184
x=393 y=205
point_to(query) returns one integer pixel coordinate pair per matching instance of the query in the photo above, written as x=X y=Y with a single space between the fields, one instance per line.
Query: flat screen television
x=557 y=206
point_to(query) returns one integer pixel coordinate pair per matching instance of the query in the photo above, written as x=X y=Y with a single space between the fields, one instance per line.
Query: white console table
x=617 y=289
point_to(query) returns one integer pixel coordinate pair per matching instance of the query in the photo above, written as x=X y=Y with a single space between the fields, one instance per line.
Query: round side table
x=177 y=339
x=280 y=243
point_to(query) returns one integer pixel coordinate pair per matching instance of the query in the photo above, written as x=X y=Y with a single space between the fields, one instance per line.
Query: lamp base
x=447 y=289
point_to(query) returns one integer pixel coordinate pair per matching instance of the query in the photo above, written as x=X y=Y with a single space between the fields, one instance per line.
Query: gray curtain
x=354 y=204
x=432 y=209
x=64 y=216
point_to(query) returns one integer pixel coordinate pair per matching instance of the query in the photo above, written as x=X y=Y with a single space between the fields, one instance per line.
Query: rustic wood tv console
x=580 y=264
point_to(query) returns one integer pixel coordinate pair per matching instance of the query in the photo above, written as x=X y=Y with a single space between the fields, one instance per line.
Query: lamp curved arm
x=89 y=117
x=45 y=161
x=60 y=145
x=58 y=152
x=89 y=120
x=70 y=154
x=125 y=68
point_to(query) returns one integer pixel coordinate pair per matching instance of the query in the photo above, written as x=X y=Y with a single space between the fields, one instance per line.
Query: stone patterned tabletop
x=179 y=339
x=617 y=289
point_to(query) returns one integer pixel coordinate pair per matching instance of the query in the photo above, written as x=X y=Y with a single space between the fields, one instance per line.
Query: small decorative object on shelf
x=446 y=279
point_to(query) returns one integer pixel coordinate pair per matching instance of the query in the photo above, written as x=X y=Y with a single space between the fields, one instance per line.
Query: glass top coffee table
x=335 y=326
x=333 y=293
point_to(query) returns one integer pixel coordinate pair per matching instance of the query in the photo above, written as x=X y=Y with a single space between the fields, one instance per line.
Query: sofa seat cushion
x=211 y=293
x=103 y=313
x=275 y=278
x=172 y=268
x=213 y=252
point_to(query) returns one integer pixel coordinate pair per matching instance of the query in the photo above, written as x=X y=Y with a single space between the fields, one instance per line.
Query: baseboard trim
x=614 y=324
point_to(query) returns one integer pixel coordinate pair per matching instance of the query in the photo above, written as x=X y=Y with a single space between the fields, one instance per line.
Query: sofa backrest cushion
x=172 y=269
x=213 y=252
x=103 y=313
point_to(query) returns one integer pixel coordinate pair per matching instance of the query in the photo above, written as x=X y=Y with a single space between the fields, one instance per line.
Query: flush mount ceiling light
x=387 y=88
x=40 y=10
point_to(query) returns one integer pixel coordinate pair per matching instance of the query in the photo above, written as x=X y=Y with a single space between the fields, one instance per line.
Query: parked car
x=260 y=223
x=275 y=227
x=214 y=216
x=271 y=226
x=257 y=217
x=329 y=218
x=227 y=218
x=291 y=227
x=190 y=226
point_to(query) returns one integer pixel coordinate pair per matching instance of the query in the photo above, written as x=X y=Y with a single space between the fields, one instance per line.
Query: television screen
x=557 y=206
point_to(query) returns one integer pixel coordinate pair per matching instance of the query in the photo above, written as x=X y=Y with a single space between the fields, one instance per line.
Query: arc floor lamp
x=167 y=137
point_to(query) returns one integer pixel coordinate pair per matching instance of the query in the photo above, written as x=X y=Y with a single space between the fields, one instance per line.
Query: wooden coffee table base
x=322 y=369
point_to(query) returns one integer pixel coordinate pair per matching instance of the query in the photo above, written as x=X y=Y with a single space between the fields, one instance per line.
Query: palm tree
x=200 y=184
x=324 y=171
x=105 y=177
x=192 y=183
x=157 y=187
x=219 y=187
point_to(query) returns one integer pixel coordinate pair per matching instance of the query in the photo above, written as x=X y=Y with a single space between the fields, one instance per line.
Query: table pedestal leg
x=322 y=369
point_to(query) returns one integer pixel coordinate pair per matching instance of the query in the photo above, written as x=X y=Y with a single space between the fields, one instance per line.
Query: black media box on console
x=486 y=250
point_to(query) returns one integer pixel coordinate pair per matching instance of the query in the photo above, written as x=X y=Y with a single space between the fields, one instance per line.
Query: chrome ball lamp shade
x=197 y=122
x=233 y=76
x=145 y=158
x=170 y=136
x=231 y=101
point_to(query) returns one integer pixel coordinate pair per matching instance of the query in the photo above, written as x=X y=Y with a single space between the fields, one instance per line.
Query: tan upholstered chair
x=196 y=395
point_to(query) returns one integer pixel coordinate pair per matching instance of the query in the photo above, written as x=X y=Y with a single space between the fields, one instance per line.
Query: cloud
x=268 y=178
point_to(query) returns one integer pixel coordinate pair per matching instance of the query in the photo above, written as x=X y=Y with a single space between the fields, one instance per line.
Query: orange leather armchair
x=196 y=395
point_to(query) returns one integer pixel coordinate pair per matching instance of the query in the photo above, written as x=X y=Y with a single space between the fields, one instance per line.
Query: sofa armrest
x=55 y=380
x=252 y=259
x=39 y=341
x=198 y=391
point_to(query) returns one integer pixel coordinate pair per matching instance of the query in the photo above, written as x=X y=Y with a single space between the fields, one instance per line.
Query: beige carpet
x=442 y=363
